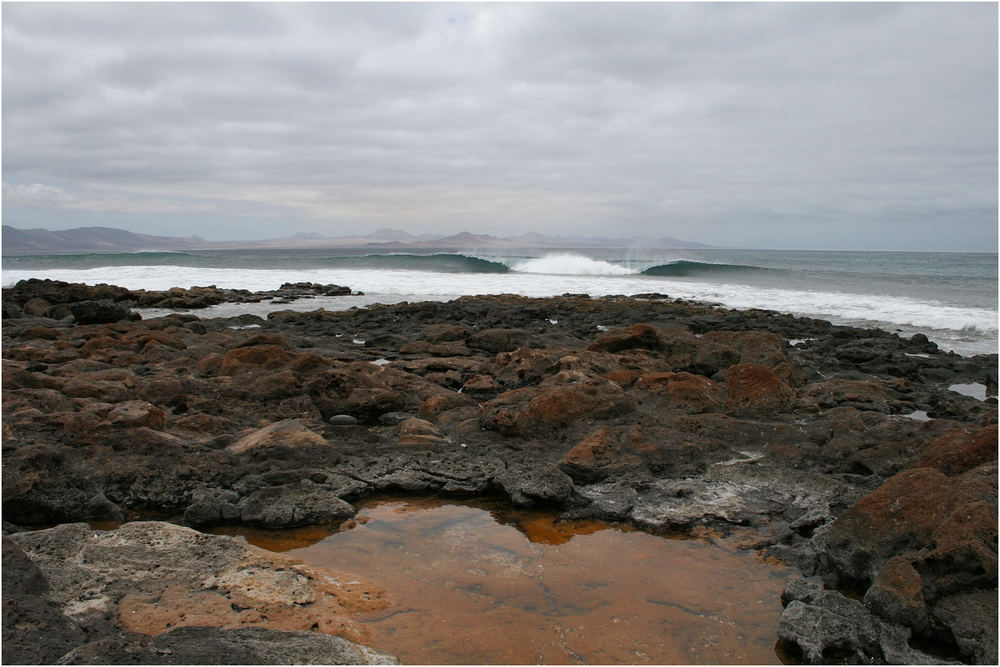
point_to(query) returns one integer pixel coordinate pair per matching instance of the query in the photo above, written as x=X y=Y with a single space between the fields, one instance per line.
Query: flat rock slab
x=151 y=577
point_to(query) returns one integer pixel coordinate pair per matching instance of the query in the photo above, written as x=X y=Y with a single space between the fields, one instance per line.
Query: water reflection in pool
x=475 y=583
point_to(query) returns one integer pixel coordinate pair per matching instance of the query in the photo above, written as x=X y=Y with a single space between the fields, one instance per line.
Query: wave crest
x=571 y=265
x=443 y=262
x=686 y=267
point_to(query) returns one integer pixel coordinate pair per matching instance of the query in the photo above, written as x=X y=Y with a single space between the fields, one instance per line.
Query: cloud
x=745 y=124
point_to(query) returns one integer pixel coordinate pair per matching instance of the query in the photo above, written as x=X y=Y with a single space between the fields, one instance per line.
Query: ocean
x=950 y=297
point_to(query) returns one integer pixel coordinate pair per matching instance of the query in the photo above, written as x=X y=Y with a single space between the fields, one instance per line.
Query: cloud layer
x=772 y=125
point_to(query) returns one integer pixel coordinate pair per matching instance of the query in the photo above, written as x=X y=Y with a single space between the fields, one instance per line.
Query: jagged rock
x=291 y=505
x=833 y=629
x=971 y=618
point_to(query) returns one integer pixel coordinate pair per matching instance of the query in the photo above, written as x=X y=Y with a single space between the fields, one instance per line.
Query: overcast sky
x=843 y=126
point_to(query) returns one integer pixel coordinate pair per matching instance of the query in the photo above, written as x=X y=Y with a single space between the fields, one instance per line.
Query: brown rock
x=266 y=339
x=753 y=389
x=39 y=332
x=643 y=336
x=595 y=457
x=414 y=432
x=257 y=356
x=499 y=340
x=138 y=413
x=683 y=391
x=897 y=594
x=287 y=433
x=422 y=347
x=756 y=347
x=623 y=378
x=523 y=365
x=946 y=524
x=481 y=386
x=556 y=406
x=440 y=333
x=959 y=451
x=539 y=410
x=861 y=394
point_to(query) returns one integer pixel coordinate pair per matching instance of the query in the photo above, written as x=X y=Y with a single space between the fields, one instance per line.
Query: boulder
x=442 y=333
x=540 y=410
x=684 y=392
x=100 y=312
x=287 y=433
x=753 y=390
x=291 y=505
x=481 y=387
x=243 y=359
x=960 y=451
x=137 y=413
x=523 y=366
x=418 y=432
x=637 y=336
x=899 y=517
x=971 y=618
x=600 y=454
x=831 y=629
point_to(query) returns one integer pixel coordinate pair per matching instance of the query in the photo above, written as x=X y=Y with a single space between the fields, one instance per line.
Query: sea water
x=950 y=297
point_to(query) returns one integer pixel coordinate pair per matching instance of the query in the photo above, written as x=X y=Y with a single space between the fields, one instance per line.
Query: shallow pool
x=478 y=583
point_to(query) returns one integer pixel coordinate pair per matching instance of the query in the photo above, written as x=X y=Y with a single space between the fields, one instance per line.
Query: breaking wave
x=565 y=264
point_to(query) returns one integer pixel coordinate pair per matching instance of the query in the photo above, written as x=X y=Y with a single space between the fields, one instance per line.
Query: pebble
x=342 y=420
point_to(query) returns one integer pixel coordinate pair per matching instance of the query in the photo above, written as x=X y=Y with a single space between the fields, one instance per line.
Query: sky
x=792 y=126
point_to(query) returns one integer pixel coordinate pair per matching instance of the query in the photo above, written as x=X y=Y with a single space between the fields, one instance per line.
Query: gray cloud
x=781 y=125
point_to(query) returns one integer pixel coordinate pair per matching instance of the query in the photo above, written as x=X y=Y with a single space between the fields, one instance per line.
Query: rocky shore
x=844 y=451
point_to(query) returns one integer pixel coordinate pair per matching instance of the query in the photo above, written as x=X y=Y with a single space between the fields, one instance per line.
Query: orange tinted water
x=473 y=583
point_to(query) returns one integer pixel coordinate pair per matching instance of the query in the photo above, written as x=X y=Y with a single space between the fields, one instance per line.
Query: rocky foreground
x=838 y=449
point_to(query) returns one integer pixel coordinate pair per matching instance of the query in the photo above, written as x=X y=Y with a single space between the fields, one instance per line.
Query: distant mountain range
x=108 y=239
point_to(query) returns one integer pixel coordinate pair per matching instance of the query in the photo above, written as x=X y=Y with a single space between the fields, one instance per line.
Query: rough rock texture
x=832 y=629
x=218 y=646
x=115 y=590
x=667 y=414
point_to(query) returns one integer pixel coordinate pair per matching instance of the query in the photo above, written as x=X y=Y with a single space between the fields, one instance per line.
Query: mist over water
x=950 y=297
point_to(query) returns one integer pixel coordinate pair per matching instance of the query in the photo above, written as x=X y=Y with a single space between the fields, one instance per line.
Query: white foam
x=966 y=330
x=571 y=265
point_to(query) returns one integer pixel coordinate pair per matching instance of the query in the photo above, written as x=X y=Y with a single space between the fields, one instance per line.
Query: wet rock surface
x=668 y=414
